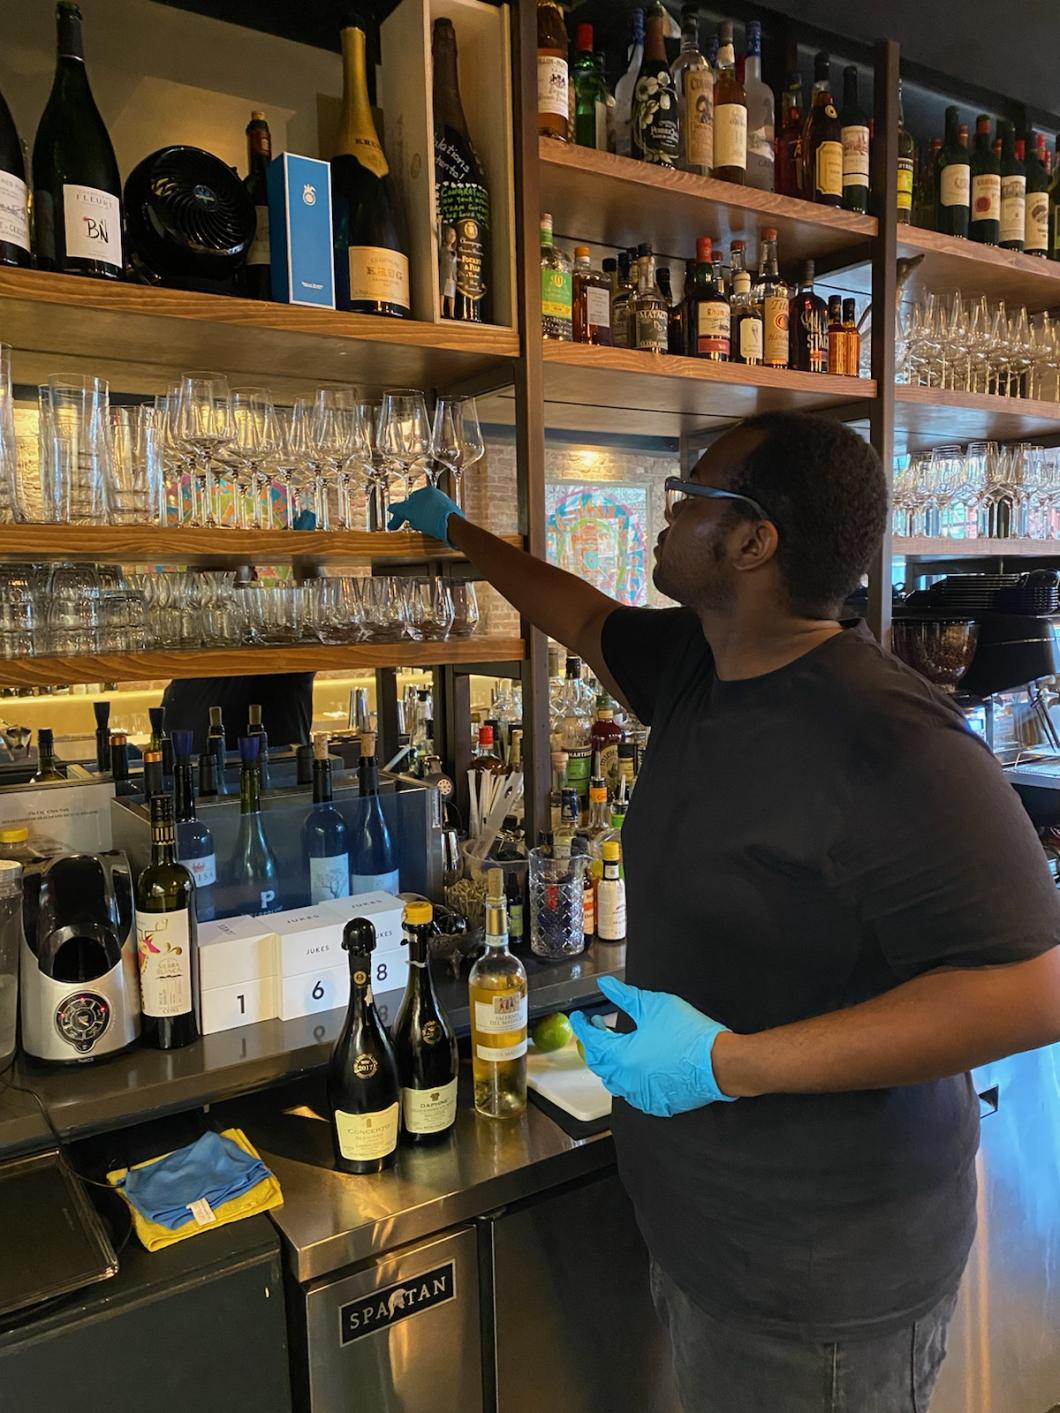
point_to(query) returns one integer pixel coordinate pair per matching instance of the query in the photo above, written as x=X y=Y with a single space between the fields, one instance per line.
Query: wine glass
x=376 y=470
x=255 y=440
x=205 y=425
x=287 y=458
x=404 y=434
x=456 y=441
x=339 y=439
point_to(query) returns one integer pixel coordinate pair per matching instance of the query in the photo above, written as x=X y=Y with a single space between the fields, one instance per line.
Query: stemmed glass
x=376 y=470
x=404 y=432
x=255 y=440
x=205 y=425
x=456 y=441
x=287 y=459
x=341 y=443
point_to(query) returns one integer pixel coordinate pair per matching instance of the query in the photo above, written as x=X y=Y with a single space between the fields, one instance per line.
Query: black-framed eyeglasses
x=678 y=490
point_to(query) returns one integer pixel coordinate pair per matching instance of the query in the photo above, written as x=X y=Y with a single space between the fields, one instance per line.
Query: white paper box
x=244 y=1003
x=327 y=988
x=308 y=939
x=382 y=910
x=235 y=950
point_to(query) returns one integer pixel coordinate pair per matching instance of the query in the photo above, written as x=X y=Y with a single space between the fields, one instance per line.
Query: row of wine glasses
x=970 y=343
x=980 y=490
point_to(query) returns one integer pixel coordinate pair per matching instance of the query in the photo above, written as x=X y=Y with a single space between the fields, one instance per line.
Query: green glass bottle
x=166 y=938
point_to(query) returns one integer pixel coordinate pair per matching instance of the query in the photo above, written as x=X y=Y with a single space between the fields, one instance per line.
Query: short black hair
x=825 y=490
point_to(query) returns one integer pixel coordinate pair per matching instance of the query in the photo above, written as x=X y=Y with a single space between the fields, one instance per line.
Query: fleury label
x=92 y=222
x=163 y=947
x=14 y=211
x=379 y=275
x=429 y=1110
x=730 y=135
x=955 y=184
x=365 y=1137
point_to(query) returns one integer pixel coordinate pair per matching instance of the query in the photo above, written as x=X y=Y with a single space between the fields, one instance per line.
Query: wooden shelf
x=923 y=548
x=155 y=544
x=618 y=201
x=950 y=263
x=925 y=417
x=140 y=339
x=253 y=662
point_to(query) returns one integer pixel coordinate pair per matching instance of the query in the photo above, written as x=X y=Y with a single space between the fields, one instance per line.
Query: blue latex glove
x=664 y=1066
x=426 y=510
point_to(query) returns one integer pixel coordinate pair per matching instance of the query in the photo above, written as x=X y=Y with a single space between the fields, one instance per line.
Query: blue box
x=303 y=263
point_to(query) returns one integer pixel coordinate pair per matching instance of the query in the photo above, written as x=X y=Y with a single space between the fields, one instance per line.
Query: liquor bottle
x=924 y=186
x=166 y=938
x=655 y=134
x=626 y=87
x=253 y=874
x=364 y=1093
x=119 y=766
x=1013 y=192
x=1054 y=206
x=553 y=98
x=76 y=186
x=761 y=116
x=559 y=761
x=371 y=245
x=325 y=844
x=257 y=273
x=609 y=100
x=625 y=290
x=611 y=897
x=746 y=342
x=709 y=318
x=649 y=312
x=591 y=300
x=837 y=352
x=216 y=744
x=581 y=849
x=590 y=94
x=853 y=337
x=953 y=185
x=14 y=194
x=556 y=288
x=497 y=992
x=693 y=81
x=789 y=140
x=462 y=194
x=604 y=740
x=1036 y=226
x=101 y=711
x=46 y=770
x=906 y=166
x=424 y=1043
x=195 y=849
x=730 y=113
x=854 y=135
x=373 y=862
x=985 y=223
x=677 y=331
x=255 y=728
x=822 y=141
x=152 y=780
x=808 y=326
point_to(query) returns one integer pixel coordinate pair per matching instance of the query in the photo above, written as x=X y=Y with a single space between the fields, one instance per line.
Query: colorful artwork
x=600 y=533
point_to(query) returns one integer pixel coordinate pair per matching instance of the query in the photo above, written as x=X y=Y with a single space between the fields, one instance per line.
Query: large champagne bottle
x=363 y=1093
x=371 y=247
x=372 y=858
x=463 y=199
x=76 y=186
x=165 y=937
x=424 y=1041
x=14 y=202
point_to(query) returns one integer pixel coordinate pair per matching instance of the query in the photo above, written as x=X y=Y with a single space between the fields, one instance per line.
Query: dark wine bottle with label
x=373 y=861
x=325 y=838
x=14 y=195
x=364 y=1097
x=76 y=186
x=462 y=195
x=257 y=273
x=195 y=847
x=953 y=184
x=165 y=938
x=371 y=246
x=216 y=744
x=255 y=885
x=424 y=1042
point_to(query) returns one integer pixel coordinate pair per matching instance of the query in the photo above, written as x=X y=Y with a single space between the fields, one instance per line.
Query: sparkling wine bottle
x=424 y=1041
x=462 y=195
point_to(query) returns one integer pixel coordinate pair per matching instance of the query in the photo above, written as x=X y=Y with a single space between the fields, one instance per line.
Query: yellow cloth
x=266 y=1195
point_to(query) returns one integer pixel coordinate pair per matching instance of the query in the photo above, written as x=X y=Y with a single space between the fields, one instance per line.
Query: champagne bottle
x=165 y=937
x=655 y=135
x=195 y=849
x=364 y=1097
x=371 y=247
x=325 y=843
x=101 y=711
x=257 y=273
x=424 y=1042
x=216 y=744
x=14 y=194
x=462 y=194
x=255 y=884
x=373 y=860
x=76 y=186
x=497 y=991
x=45 y=758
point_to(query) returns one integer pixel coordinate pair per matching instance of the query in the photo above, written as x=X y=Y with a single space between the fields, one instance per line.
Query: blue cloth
x=212 y=1167
x=426 y=510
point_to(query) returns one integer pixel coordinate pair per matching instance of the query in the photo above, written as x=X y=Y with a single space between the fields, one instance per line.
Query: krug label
x=378 y=274
x=92 y=222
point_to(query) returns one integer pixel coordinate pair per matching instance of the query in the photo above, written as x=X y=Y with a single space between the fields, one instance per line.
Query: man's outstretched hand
x=426 y=510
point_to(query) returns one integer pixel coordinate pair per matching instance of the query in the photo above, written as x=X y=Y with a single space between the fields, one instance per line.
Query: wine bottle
x=165 y=937
x=373 y=860
x=255 y=886
x=985 y=223
x=553 y=76
x=45 y=758
x=497 y=992
x=771 y=293
x=424 y=1042
x=906 y=166
x=1036 y=227
x=462 y=195
x=854 y=135
x=76 y=186
x=730 y=113
x=255 y=728
x=822 y=141
x=808 y=326
x=325 y=843
x=655 y=134
x=1013 y=191
x=119 y=766
x=152 y=776
x=207 y=775
x=101 y=711
x=625 y=87
x=161 y=743
x=257 y=273
x=364 y=1095
x=216 y=744
x=371 y=247
x=195 y=848
x=693 y=80
x=953 y=185
x=14 y=194
x=590 y=93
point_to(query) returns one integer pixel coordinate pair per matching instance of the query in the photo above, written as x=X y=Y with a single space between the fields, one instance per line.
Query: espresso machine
x=79 y=984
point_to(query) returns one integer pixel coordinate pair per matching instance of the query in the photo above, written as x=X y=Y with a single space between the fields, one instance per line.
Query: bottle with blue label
x=373 y=857
x=255 y=880
x=325 y=841
x=195 y=849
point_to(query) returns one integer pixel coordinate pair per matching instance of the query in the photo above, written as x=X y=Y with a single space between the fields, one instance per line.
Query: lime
x=552 y=1033
x=581 y=1049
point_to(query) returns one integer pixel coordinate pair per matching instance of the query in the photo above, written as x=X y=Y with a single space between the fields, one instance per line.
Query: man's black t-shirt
x=286 y=701
x=798 y=842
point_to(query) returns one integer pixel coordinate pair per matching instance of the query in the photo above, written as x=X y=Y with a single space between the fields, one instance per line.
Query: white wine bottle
x=76 y=186
x=371 y=247
x=424 y=1042
x=14 y=195
x=497 y=990
x=364 y=1101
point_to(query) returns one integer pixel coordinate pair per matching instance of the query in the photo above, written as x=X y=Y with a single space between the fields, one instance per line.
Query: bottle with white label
x=364 y=1097
x=747 y=344
x=424 y=1042
x=730 y=113
x=256 y=282
x=165 y=938
x=953 y=182
x=1013 y=190
x=497 y=991
x=694 y=85
x=373 y=860
x=985 y=223
x=761 y=114
x=14 y=194
x=611 y=896
x=325 y=841
x=854 y=136
x=195 y=848
x=1036 y=227
x=76 y=185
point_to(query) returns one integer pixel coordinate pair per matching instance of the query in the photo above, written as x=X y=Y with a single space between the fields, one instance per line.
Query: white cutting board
x=563 y=1077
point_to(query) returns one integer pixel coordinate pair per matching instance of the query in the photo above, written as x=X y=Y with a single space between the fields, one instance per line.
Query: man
x=836 y=907
x=286 y=701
